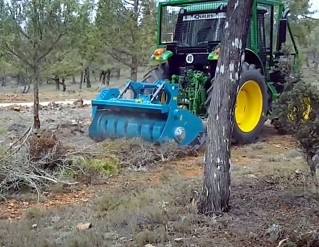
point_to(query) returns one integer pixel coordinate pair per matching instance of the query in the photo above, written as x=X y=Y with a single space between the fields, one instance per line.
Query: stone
x=275 y=232
x=178 y=240
x=84 y=226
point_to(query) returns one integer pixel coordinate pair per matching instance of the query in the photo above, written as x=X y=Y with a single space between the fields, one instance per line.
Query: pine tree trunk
x=102 y=77
x=3 y=81
x=27 y=82
x=87 y=77
x=63 y=85
x=57 y=82
x=134 y=59
x=216 y=185
x=36 y=119
x=108 y=76
x=134 y=67
x=81 y=79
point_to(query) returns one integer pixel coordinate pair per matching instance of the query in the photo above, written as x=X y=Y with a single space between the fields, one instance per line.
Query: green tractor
x=176 y=93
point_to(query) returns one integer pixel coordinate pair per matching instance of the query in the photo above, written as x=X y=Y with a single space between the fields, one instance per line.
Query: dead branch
x=282 y=241
x=37 y=164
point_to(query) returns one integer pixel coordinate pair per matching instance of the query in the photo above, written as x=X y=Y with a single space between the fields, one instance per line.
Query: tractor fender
x=252 y=57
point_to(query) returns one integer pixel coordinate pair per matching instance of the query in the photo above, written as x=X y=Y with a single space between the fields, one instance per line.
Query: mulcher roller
x=151 y=113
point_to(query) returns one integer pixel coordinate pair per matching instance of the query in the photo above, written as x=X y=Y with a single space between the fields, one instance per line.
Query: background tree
x=89 y=45
x=31 y=30
x=301 y=21
x=128 y=29
x=216 y=185
x=313 y=50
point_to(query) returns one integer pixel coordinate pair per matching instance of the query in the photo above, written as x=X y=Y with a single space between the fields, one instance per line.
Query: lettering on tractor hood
x=207 y=16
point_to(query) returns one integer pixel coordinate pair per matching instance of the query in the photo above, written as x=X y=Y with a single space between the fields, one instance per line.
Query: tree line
x=55 y=40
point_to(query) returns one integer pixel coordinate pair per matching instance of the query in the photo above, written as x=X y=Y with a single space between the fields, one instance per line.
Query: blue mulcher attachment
x=152 y=114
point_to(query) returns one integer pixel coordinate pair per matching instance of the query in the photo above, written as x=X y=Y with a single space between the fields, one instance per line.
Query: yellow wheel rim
x=249 y=106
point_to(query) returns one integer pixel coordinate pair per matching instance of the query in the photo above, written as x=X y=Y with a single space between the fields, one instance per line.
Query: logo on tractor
x=207 y=16
x=189 y=58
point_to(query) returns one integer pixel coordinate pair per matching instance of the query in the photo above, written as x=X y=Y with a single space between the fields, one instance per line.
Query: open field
x=12 y=93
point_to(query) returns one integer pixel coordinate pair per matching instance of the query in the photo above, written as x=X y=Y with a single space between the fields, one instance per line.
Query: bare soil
x=273 y=201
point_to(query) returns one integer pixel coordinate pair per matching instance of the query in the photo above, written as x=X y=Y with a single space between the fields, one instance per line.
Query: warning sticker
x=206 y=16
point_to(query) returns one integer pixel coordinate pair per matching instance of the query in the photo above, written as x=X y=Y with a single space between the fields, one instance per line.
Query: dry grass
x=162 y=215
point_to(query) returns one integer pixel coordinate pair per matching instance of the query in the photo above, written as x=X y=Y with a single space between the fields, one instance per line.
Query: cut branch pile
x=37 y=160
x=46 y=151
x=34 y=161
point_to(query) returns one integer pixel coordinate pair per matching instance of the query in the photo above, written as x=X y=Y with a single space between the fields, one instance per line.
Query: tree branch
x=51 y=47
x=312 y=18
x=17 y=55
x=17 y=25
x=119 y=59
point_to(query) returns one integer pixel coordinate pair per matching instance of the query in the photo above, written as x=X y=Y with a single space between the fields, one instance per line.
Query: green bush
x=106 y=166
x=296 y=108
x=297 y=112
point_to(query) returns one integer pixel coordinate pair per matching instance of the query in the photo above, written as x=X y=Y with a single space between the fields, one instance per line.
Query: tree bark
x=26 y=87
x=215 y=194
x=18 y=79
x=36 y=119
x=87 y=77
x=3 y=81
x=57 y=82
x=81 y=79
x=103 y=77
x=134 y=67
x=63 y=85
x=107 y=77
x=73 y=80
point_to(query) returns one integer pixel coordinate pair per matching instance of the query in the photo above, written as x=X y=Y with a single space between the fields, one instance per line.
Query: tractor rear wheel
x=251 y=105
x=160 y=72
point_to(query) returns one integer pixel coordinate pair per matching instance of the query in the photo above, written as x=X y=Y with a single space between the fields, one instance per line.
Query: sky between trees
x=315 y=7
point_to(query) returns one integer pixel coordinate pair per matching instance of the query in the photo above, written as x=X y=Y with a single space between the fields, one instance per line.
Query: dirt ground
x=273 y=201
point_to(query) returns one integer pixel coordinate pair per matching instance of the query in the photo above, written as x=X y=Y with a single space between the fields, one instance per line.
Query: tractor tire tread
x=239 y=136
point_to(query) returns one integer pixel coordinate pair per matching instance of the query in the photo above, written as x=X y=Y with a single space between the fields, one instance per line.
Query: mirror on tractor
x=169 y=37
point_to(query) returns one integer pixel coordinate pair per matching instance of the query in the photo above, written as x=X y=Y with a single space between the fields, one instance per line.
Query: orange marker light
x=217 y=51
x=159 y=52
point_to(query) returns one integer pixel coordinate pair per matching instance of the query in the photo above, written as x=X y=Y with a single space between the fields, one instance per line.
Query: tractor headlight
x=179 y=134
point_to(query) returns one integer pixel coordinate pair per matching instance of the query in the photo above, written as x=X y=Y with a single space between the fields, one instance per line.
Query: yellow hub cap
x=249 y=106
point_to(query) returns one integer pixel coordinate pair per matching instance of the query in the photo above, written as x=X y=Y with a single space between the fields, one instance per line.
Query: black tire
x=160 y=72
x=249 y=72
